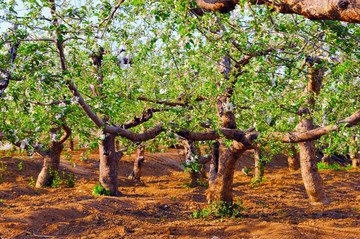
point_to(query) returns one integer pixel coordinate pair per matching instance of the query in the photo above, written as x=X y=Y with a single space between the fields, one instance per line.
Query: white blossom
x=290 y=120
x=53 y=137
x=75 y=100
x=62 y=104
x=23 y=144
x=268 y=120
x=163 y=91
x=228 y=107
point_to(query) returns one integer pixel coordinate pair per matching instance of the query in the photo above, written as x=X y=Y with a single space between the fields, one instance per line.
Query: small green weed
x=70 y=182
x=56 y=181
x=335 y=166
x=246 y=170
x=20 y=165
x=100 y=190
x=32 y=182
x=202 y=182
x=222 y=210
x=187 y=184
x=2 y=170
x=8 y=154
x=255 y=183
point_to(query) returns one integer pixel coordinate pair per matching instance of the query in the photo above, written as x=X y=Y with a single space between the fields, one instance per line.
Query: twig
x=108 y=19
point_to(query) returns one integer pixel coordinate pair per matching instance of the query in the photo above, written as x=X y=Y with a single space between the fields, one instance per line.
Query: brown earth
x=161 y=206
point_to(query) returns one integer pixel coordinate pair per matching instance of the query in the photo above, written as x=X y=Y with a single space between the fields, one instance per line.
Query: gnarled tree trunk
x=259 y=165
x=338 y=10
x=354 y=156
x=293 y=159
x=50 y=166
x=136 y=173
x=310 y=174
x=109 y=164
x=222 y=169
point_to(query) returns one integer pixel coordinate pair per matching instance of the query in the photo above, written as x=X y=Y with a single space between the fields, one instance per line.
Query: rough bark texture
x=51 y=158
x=136 y=173
x=223 y=160
x=355 y=162
x=259 y=165
x=222 y=173
x=354 y=156
x=72 y=144
x=310 y=174
x=109 y=164
x=50 y=166
x=293 y=160
x=339 y=10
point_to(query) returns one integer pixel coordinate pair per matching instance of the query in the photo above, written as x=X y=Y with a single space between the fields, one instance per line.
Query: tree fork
x=293 y=159
x=310 y=174
x=109 y=164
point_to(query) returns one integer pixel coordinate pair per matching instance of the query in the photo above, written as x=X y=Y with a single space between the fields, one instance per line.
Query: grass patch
x=221 y=210
x=335 y=166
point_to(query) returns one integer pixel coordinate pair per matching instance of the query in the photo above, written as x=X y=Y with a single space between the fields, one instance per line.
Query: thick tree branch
x=146 y=116
x=163 y=102
x=245 y=138
x=338 y=10
x=67 y=134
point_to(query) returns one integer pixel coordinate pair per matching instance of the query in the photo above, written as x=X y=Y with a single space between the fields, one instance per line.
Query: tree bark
x=51 y=158
x=109 y=164
x=259 y=165
x=222 y=172
x=354 y=156
x=338 y=10
x=136 y=173
x=50 y=166
x=293 y=160
x=71 y=144
x=310 y=174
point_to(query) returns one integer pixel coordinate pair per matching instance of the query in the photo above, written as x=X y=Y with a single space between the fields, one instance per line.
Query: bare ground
x=161 y=206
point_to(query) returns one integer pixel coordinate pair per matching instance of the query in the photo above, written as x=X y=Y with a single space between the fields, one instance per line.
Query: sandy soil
x=161 y=206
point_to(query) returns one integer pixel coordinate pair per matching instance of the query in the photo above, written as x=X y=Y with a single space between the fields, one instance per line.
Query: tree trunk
x=194 y=153
x=354 y=156
x=355 y=162
x=50 y=166
x=109 y=164
x=222 y=172
x=259 y=165
x=310 y=174
x=136 y=173
x=326 y=160
x=293 y=160
x=71 y=144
